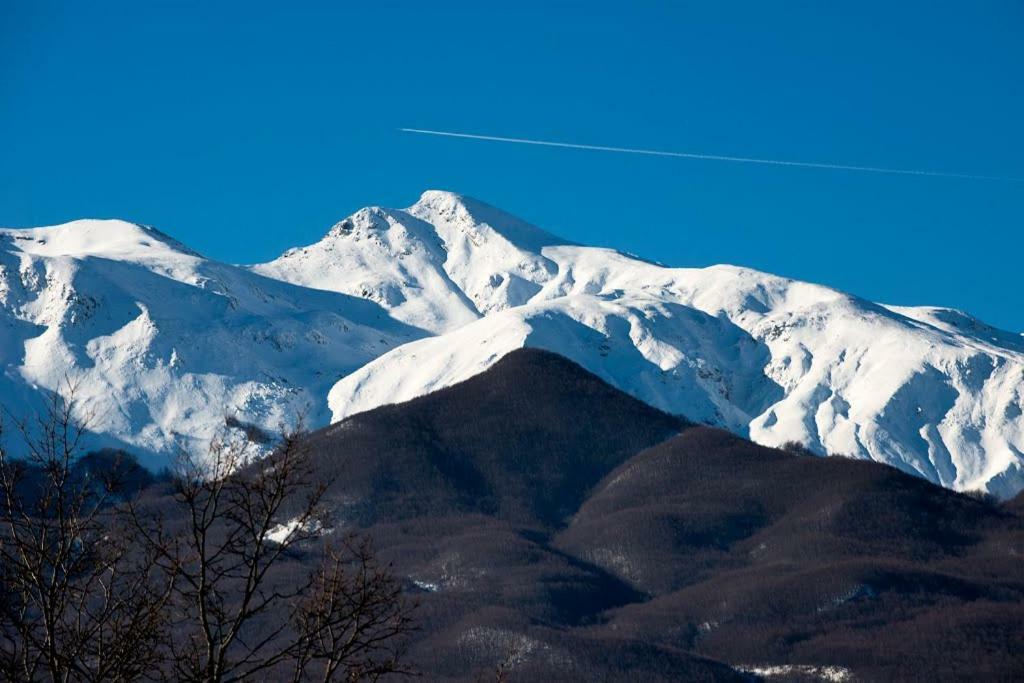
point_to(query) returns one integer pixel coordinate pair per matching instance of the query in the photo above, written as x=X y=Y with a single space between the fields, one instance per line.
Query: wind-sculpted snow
x=163 y=343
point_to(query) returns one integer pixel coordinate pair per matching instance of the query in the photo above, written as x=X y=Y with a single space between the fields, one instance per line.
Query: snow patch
x=283 y=532
x=834 y=674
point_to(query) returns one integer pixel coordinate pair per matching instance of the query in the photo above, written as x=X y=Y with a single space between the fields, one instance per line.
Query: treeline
x=206 y=574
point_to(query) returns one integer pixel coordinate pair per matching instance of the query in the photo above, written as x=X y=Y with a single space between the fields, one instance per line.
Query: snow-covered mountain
x=163 y=347
x=443 y=289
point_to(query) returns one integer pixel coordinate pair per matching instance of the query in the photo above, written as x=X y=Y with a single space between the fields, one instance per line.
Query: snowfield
x=392 y=304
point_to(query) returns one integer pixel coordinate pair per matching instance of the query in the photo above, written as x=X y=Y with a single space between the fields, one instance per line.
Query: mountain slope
x=507 y=443
x=159 y=346
x=760 y=556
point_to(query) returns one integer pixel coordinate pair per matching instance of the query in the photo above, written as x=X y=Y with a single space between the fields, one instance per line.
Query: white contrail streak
x=709 y=157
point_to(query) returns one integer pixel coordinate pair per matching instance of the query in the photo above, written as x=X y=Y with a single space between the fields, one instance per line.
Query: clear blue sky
x=246 y=128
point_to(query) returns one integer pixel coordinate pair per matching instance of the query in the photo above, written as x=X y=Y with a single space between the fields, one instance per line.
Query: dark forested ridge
x=751 y=554
x=558 y=528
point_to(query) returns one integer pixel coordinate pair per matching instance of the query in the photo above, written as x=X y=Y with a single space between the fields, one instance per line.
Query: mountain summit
x=395 y=303
x=443 y=262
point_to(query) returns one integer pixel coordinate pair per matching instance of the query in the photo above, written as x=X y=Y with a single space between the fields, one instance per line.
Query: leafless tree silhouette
x=80 y=596
x=242 y=607
x=225 y=573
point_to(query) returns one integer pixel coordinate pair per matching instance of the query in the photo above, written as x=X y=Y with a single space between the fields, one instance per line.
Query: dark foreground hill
x=557 y=529
x=524 y=442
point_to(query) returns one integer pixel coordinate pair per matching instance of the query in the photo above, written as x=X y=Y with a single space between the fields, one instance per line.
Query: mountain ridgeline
x=555 y=526
x=165 y=349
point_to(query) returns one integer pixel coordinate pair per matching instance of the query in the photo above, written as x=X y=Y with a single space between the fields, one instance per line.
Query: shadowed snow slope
x=164 y=343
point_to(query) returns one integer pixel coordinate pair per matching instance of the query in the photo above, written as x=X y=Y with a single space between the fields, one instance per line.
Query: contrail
x=711 y=157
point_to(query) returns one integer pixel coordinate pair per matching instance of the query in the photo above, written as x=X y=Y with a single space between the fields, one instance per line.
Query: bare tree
x=503 y=670
x=80 y=598
x=244 y=604
x=222 y=575
x=353 y=621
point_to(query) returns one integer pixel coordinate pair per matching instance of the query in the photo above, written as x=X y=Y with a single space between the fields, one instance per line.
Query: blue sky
x=246 y=128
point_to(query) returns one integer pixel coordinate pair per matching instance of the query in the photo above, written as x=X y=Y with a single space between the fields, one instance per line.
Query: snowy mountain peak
x=443 y=200
x=362 y=221
x=109 y=238
x=449 y=211
x=438 y=264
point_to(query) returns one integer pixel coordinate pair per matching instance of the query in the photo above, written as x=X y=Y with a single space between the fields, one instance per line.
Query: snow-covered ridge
x=394 y=303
